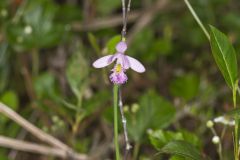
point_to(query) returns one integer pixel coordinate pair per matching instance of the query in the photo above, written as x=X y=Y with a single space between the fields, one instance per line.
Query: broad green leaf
x=159 y=138
x=182 y=148
x=77 y=74
x=185 y=86
x=224 y=55
x=45 y=86
x=155 y=112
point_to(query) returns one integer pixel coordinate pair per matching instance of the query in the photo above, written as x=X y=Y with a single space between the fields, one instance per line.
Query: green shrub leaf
x=182 y=148
x=224 y=55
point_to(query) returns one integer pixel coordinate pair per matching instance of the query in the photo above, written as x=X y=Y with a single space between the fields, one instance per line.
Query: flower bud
x=135 y=108
x=28 y=30
x=209 y=124
x=125 y=109
x=216 y=140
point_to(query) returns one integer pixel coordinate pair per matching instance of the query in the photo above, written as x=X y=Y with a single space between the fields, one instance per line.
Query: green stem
x=115 y=105
x=136 y=151
x=197 y=19
x=236 y=130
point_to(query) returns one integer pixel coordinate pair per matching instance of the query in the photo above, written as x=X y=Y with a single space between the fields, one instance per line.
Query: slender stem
x=219 y=144
x=136 y=151
x=125 y=17
x=115 y=105
x=236 y=130
x=124 y=29
x=197 y=19
x=124 y=122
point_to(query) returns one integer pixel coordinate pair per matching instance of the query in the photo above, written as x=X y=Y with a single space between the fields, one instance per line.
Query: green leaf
x=77 y=74
x=182 y=148
x=155 y=112
x=159 y=138
x=45 y=86
x=224 y=55
x=185 y=86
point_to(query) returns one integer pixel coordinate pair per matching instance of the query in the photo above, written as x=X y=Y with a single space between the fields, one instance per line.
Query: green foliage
x=35 y=26
x=183 y=149
x=78 y=82
x=155 y=112
x=225 y=56
x=10 y=98
x=96 y=101
x=160 y=138
x=45 y=86
x=69 y=103
x=185 y=86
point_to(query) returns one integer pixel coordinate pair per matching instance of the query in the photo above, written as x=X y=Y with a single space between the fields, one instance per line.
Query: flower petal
x=126 y=63
x=136 y=65
x=103 y=61
x=121 y=47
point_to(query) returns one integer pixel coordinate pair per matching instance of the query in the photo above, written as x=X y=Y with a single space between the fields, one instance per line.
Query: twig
x=22 y=135
x=35 y=148
x=36 y=131
x=31 y=128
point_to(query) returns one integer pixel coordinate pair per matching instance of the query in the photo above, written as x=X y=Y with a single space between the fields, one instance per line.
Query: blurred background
x=46 y=51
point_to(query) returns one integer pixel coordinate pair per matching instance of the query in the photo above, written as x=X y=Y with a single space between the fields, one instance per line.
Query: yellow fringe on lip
x=118 y=68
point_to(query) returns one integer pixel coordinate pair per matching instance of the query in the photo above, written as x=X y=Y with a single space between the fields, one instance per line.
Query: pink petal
x=136 y=65
x=103 y=61
x=126 y=63
x=121 y=47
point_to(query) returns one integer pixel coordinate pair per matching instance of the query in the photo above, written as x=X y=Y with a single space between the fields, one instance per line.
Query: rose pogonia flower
x=118 y=76
x=123 y=62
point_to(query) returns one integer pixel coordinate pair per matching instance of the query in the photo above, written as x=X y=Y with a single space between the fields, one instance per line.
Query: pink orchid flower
x=123 y=62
